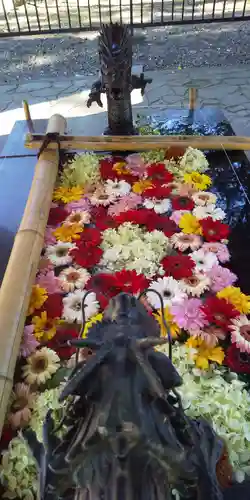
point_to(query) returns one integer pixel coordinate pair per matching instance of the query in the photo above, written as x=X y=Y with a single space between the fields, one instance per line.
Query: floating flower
x=185 y=242
x=219 y=312
x=177 y=215
x=37 y=298
x=211 y=335
x=199 y=181
x=105 y=286
x=220 y=250
x=45 y=265
x=159 y=192
x=106 y=167
x=189 y=224
x=57 y=215
x=71 y=278
x=82 y=170
x=130 y=281
x=178 y=266
x=136 y=164
x=22 y=403
x=240 y=333
x=72 y=306
x=140 y=186
x=78 y=217
x=83 y=205
x=234 y=296
x=202 y=353
x=209 y=211
x=86 y=256
x=203 y=261
x=68 y=194
x=196 y=285
x=181 y=189
x=49 y=238
x=201 y=198
x=171 y=324
x=45 y=327
x=120 y=168
x=68 y=232
x=193 y=160
x=220 y=277
x=182 y=203
x=159 y=206
x=236 y=360
x=29 y=342
x=59 y=254
x=40 y=366
x=59 y=342
x=159 y=174
x=101 y=197
x=48 y=281
x=117 y=188
x=92 y=321
x=125 y=203
x=170 y=291
x=53 y=306
x=189 y=315
x=214 y=230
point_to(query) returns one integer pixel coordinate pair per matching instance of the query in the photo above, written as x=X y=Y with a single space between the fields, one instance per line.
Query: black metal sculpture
x=124 y=435
x=116 y=80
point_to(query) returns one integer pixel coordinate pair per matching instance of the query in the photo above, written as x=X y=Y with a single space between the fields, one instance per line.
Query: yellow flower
x=173 y=327
x=120 y=168
x=203 y=353
x=190 y=224
x=95 y=319
x=234 y=296
x=140 y=186
x=38 y=297
x=44 y=327
x=68 y=232
x=199 y=181
x=68 y=194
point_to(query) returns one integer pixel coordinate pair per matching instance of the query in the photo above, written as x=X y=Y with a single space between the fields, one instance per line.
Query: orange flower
x=68 y=232
x=140 y=186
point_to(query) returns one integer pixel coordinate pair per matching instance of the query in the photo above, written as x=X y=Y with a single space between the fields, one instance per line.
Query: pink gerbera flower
x=219 y=249
x=221 y=277
x=188 y=315
x=82 y=204
x=177 y=215
x=49 y=281
x=211 y=335
x=136 y=164
x=49 y=238
x=29 y=342
x=125 y=203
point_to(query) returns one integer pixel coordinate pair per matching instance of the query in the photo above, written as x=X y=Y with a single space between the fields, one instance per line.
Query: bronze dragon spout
x=116 y=78
x=124 y=434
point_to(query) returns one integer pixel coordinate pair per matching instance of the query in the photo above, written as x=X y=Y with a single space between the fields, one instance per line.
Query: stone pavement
x=227 y=88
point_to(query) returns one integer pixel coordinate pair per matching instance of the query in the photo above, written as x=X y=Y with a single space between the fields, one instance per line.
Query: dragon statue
x=124 y=434
x=116 y=79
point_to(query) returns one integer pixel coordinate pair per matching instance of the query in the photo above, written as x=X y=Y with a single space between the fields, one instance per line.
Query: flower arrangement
x=115 y=224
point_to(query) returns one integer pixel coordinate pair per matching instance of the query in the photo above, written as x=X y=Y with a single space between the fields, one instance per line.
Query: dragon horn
x=151 y=342
x=91 y=344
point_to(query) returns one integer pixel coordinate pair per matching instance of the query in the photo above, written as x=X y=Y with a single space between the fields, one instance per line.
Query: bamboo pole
x=27 y=115
x=192 y=98
x=22 y=266
x=141 y=143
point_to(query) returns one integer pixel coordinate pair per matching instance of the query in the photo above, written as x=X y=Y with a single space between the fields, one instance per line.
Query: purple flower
x=189 y=316
x=220 y=250
x=127 y=202
x=49 y=282
x=221 y=277
x=29 y=342
x=83 y=205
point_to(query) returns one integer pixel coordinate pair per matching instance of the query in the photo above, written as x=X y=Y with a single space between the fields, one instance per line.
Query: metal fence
x=26 y=17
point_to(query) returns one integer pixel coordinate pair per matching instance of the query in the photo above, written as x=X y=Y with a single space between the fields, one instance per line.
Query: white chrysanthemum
x=203 y=261
x=193 y=160
x=59 y=254
x=101 y=198
x=159 y=206
x=117 y=188
x=196 y=285
x=72 y=306
x=240 y=333
x=80 y=217
x=203 y=198
x=40 y=366
x=71 y=278
x=170 y=291
x=209 y=211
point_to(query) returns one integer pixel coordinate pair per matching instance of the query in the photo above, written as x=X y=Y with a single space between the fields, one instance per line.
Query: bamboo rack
x=141 y=143
x=22 y=266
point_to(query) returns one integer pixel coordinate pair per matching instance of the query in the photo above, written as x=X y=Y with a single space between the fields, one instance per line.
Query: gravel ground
x=27 y=58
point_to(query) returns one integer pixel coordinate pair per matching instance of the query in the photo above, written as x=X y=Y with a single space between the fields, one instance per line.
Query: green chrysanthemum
x=82 y=171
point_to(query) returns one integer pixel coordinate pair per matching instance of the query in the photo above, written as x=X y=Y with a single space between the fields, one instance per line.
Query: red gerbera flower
x=57 y=215
x=162 y=223
x=101 y=218
x=131 y=282
x=140 y=217
x=214 y=230
x=219 y=312
x=105 y=287
x=179 y=266
x=58 y=342
x=86 y=256
x=7 y=435
x=53 y=306
x=90 y=237
x=237 y=361
x=158 y=172
x=182 y=203
x=106 y=167
x=157 y=191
